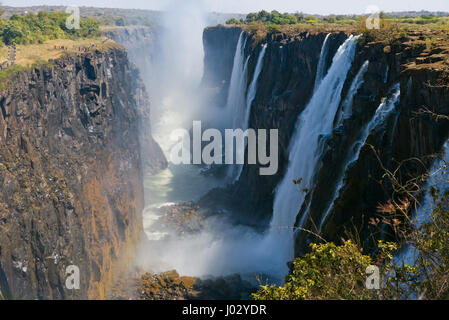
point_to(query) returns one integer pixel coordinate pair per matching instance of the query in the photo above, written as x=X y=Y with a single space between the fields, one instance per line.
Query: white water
x=249 y=100
x=347 y=104
x=316 y=120
x=381 y=114
x=321 y=72
x=235 y=105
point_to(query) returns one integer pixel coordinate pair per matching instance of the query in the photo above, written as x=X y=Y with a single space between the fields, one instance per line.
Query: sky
x=245 y=6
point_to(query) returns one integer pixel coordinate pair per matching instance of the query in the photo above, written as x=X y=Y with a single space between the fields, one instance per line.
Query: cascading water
x=381 y=114
x=357 y=83
x=235 y=104
x=321 y=71
x=249 y=100
x=315 y=121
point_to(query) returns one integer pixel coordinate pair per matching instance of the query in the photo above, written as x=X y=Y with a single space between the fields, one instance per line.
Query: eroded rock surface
x=71 y=174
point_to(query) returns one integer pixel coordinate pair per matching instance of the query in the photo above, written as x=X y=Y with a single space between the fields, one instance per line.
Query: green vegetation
x=37 y=28
x=104 y=16
x=338 y=272
x=5 y=76
x=328 y=272
x=277 y=18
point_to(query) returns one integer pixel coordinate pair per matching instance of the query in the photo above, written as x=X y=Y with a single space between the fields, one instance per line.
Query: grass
x=37 y=54
x=28 y=56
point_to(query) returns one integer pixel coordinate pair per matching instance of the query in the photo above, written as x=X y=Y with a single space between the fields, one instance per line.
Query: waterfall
x=236 y=102
x=237 y=88
x=321 y=71
x=383 y=111
x=315 y=121
x=357 y=83
x=249 y=100
x=253 y=86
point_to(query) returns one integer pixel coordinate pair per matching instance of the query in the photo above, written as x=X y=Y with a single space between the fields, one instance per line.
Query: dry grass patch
x=29 y=55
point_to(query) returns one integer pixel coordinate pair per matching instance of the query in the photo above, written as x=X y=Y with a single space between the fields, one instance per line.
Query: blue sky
x=244 y=6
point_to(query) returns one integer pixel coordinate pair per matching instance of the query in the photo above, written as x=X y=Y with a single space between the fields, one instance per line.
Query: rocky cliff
x=71 y=174
x=140 y=43
x=284 y=88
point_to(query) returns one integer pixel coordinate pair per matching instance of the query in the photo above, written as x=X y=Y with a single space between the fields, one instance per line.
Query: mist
x=178 y=96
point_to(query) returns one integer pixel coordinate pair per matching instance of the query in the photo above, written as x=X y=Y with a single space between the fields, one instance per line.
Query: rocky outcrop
x=71 y=175
x=171 y=286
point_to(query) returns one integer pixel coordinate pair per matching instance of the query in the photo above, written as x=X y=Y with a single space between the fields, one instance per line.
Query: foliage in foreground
x=339 y=272
x=328 y=272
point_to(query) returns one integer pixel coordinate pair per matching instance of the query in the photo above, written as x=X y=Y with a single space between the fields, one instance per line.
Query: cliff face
x=71 y=175
x=285 y=87
x=139 y=43
x=219 y=49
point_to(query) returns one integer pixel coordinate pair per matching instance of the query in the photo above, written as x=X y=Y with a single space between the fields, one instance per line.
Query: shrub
x=328 y=272
x=273 y=28
x=232 y=21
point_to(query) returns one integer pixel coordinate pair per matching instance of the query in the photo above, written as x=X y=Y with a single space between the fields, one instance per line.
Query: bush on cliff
x=328 y=272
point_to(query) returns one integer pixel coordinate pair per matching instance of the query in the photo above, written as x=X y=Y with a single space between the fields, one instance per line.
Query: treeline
x=277 y=18
x=37 y=28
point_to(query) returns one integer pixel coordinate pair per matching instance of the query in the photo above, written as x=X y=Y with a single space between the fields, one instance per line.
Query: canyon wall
x=285 y=87
x=71 y=174
x=139 y=42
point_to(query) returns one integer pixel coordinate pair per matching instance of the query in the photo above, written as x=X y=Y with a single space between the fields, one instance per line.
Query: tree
x=232 y=21
x=12 y=33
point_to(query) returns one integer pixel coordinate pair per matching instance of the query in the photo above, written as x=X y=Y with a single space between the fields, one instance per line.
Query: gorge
x=369 y=93
x=85 y=160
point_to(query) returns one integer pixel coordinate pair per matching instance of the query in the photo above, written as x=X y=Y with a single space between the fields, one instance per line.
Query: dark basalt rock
x=71 y=174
